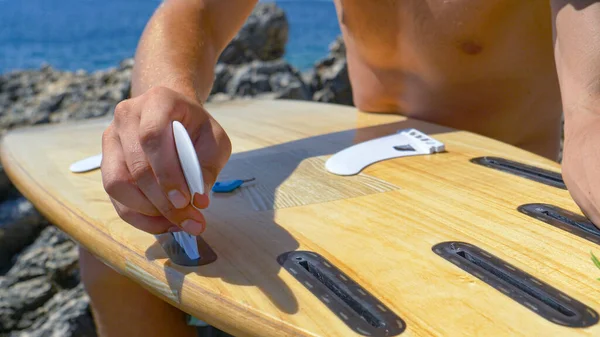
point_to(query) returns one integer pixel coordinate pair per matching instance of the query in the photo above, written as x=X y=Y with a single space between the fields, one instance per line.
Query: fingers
x=186 y=216
x=116 y=179
x=149 y=224
x=156 y=138
x=141 y=170
x=158 y=144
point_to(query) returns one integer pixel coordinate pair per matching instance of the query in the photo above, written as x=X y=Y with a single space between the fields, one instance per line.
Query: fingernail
x=200 y=200
x=174 y=229
x=177 y=199
x=192 y=227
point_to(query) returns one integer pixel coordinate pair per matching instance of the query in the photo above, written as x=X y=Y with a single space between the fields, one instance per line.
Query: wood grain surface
x=378 y=227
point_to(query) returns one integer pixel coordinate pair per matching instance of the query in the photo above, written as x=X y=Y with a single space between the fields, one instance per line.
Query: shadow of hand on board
x=242 y=226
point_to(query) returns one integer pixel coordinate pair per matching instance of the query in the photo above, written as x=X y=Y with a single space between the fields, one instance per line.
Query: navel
x=470 y=47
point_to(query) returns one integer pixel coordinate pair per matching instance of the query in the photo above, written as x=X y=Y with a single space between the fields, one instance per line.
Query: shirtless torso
x=485 y=66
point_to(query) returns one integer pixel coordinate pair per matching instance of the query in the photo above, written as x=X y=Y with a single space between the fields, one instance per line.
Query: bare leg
x=121 y=307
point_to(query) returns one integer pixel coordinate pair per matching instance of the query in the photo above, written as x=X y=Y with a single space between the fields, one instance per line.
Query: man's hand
x=173 y=72
x=141 y=171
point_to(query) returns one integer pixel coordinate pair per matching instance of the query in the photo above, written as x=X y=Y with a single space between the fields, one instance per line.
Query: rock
x=330 y=82
x=21 y=298
x=260 y=77
x=42 y=291
x=51 y=96
x=336 y=87
x=53 y=255
x=67 y=314
x=312 y=80
x=7 y=190
x=337 y=48
x=262 y=37
x=20 y=224
x=219 y=97
x=222 y=77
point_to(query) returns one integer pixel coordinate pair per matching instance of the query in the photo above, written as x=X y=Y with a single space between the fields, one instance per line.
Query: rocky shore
x=40 y=291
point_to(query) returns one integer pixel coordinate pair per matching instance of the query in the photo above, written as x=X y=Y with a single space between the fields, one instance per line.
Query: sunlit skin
x=483 y=66
x=506 y=69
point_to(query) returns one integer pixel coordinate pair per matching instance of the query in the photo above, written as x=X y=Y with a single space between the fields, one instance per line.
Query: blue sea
x=97 y=34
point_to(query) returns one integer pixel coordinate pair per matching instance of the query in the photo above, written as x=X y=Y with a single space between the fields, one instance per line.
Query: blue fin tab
x=227 y=186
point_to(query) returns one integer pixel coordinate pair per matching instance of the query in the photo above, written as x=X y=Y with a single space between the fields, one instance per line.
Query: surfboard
x=481 y=239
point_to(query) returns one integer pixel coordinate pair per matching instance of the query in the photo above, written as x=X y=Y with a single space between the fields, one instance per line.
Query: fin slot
x=354 y=305
x=516 y=283
x=177 y=254
x=337 y=287
x=523 y=170
x=527 y=290
x=563 y=219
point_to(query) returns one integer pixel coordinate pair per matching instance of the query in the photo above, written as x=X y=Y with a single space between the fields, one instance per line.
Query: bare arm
x=577 y=53
x=172 y=77
x=182 y=41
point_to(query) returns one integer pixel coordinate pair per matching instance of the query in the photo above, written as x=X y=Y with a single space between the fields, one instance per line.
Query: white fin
x=190 y=165
x=87 y=164
x=409 y=142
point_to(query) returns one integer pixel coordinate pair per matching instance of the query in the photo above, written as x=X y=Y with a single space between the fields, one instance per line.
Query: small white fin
x=87 y=164
x=409 y=142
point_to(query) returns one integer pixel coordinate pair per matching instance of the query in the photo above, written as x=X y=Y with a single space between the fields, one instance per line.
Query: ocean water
x=97 y=34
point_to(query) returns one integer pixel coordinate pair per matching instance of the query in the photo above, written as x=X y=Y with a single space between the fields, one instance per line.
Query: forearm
x=577 y=54
x=182 y=42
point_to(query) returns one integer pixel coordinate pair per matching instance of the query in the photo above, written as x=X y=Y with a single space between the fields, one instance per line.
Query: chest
x=390 y=29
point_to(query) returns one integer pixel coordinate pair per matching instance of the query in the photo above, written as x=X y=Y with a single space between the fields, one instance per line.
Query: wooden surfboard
x=480 y=240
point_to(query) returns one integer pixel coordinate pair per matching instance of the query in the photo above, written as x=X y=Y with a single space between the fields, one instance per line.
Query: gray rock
x=219 y=97
x=312 y=80
x=42 y=291
x=7 y=190
x=337 y=48
x=67 y=314
x=249 y=84
x=20 y=298
x=53 y=255
x=20 y=224
x=262 y=37
x=331 y=82
x=261 y=77
x=50 y=96
x=335 y=83
x=294 y=91
x=222 y=77
x=289 y=85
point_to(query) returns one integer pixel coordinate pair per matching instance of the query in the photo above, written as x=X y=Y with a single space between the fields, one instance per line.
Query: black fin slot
x=177 y=254
x=517 y=283
x=355 y=306
x=534 y=294
x=343 y=294
x=523 y=170
x=563 y=219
